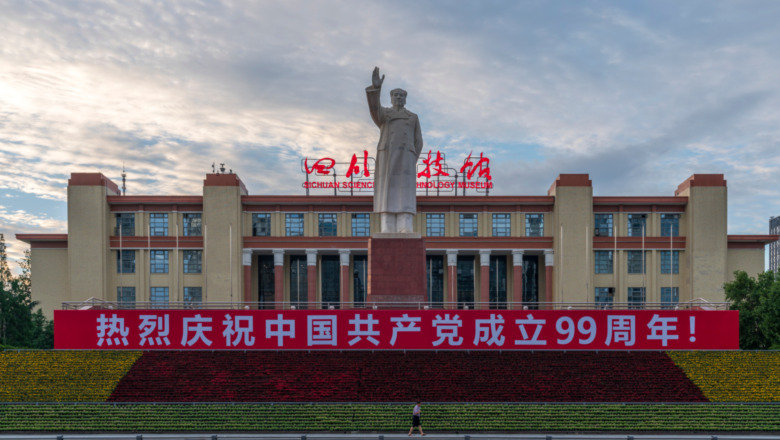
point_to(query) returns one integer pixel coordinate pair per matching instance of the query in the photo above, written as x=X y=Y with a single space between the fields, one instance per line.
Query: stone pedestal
x=396 y=269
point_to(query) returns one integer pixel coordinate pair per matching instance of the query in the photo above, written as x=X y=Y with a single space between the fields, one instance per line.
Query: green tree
x=758 y=302
x=20 y=325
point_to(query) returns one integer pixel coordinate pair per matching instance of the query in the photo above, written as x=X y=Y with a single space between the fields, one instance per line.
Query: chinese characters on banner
x=432 y=173
x=396 y=329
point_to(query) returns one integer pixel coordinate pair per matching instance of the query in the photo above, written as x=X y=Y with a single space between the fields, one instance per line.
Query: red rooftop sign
x=432 y=173
x=396 y=330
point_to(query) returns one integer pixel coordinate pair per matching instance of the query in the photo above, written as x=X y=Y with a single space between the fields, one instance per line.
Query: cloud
x=638 y=95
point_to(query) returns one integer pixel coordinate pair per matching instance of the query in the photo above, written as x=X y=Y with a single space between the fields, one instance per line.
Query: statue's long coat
x=399 y=147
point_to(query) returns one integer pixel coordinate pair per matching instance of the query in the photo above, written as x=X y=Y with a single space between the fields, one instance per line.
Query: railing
x=97 y=304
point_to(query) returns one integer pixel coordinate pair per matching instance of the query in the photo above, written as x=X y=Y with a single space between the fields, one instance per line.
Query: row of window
x=158 y=261
x=434 y=225
x=361 y=225
x=636 y=225
x=637 y=262
x=636 y=298
x=158 y=224
x=159 y=297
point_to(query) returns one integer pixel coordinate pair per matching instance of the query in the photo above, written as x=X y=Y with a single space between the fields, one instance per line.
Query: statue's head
x=398 y=97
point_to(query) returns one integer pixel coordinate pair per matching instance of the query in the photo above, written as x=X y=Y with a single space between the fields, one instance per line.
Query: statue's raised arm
x=376 y=81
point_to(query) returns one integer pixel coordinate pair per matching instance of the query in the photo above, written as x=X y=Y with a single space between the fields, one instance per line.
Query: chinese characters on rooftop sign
x=432 y=173
x=396 y=330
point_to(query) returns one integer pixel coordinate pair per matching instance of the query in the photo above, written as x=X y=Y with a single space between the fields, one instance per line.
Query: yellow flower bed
x=62 y=376
x=733 y=376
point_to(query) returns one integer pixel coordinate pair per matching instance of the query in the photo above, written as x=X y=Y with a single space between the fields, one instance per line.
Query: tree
x=758 y=302
x=20 y=326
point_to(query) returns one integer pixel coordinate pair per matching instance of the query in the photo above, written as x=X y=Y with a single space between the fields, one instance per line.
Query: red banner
x=396 y=330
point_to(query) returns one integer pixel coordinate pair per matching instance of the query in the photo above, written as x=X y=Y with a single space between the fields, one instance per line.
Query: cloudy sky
x=640 y=95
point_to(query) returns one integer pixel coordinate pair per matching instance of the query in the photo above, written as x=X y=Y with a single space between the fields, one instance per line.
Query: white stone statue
x=399 y=147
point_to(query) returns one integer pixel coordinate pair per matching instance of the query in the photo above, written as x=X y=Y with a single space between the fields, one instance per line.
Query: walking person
x=416 y=420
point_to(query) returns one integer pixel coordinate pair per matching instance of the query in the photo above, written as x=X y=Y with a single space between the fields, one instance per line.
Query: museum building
x=229 y=249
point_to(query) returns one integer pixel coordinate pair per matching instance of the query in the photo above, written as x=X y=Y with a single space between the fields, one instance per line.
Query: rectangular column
x=346 y=301
x=452 y=278
x=549 y=260
x=247 y=260
x=279 y=278
x=483 y=296
x=517 y=279
x=311 y=275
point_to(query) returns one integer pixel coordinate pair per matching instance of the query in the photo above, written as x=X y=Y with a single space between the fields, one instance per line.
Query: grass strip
x=387 y=417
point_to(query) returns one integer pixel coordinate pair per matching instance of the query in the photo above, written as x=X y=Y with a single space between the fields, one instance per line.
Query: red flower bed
x=397 y=376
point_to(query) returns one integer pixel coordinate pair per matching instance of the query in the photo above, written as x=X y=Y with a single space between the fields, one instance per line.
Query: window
x=497 y=284
x=125 y=224
x=465 y=281
x=670 y=297
x=298 y=281
x=192 y=224
x=602 y=225
x=434 y=279
x=158 y=262
x=670 y=225
x=670 y=262
x=359 y=278
x=636 y=262
x=158 y=225
x=293 y=225
x=125 y=261
x=468 y=225
x=534 y=225
x=361 y=225
x=330 y=285
x=636 y=297
x=637 y=225
x=265 y=273
x=193 y=297
x=501 y=225
x=158 y=297
x=605 y=296
x=603 y=261
x=193 y=261
x=434 y=225
x=327 y=225
x=261 y=225
x=125 y=296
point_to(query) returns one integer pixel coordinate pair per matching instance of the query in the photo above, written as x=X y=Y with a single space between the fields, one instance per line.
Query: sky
x=639 y=94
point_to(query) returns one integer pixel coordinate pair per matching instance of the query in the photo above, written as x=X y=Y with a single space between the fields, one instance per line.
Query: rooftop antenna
x=222 y=168
x=124 y=179
x=213 y=168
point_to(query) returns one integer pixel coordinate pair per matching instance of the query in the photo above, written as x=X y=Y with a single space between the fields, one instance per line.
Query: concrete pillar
x=452 y=278
x=247 y=260
x=483 y=296
x=311 y=271
x=279 y=277
x=345 y=278
x=517 y=278
x=549 y=261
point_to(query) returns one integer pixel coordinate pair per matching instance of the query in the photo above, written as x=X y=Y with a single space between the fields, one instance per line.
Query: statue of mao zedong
x=399 y=147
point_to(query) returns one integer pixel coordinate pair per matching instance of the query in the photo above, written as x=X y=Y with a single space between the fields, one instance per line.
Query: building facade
x=228 y=248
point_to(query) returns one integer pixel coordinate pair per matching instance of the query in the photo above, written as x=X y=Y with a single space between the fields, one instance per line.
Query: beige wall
x=222 y=256
x=572 y=226
x=49 y=276
x=89 y=226
x=707 y=241
x=749 y=260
